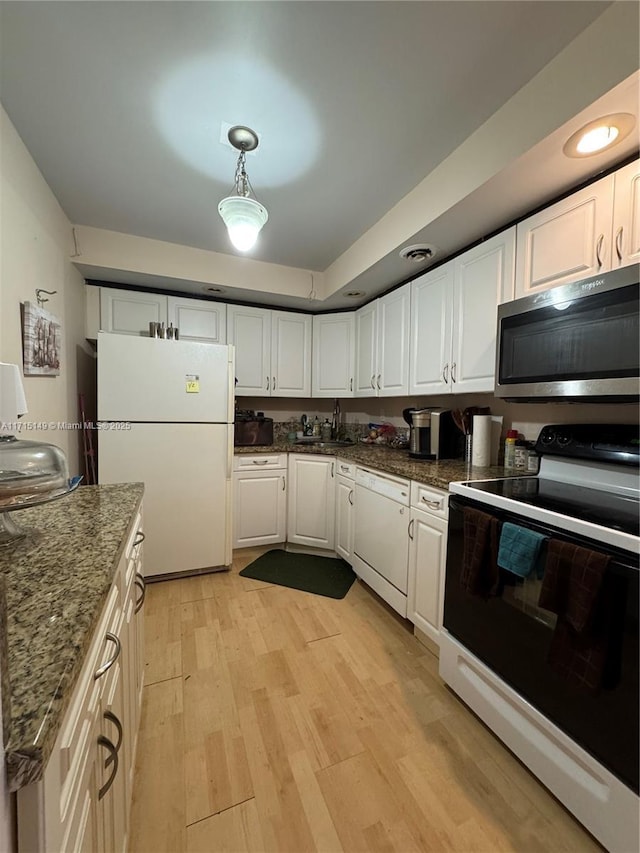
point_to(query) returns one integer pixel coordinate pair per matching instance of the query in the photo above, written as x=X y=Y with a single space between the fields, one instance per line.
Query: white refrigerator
x=165 y=418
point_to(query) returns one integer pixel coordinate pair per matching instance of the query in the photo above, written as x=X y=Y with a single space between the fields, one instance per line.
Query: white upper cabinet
x=430 y=337
x=273 y=351
x=129 y=312
x=392 y=379
x=366 y=350
x=483 y=278
x=453 y=319
x=626 y=216
x=290 y=354
x=382 y=345
x=249 y=330
x=594 y=230
x=333 y=362
x=566 y=242
x=198 y=319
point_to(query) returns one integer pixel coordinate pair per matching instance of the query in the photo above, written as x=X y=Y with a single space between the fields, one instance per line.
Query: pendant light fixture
x=243 y=216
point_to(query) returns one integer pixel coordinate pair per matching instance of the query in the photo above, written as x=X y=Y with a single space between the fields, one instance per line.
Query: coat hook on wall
x=41 y=299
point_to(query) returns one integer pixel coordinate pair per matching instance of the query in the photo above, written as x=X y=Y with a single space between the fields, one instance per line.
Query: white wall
x=35 y=244
x=35 y=241
x=100 y=250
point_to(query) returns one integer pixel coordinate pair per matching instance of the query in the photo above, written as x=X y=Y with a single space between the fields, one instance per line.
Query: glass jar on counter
x=520 y=455
x=533 y=460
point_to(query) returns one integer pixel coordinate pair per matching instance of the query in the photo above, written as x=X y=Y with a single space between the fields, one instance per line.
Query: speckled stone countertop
x=56 y=582
x=391 y=461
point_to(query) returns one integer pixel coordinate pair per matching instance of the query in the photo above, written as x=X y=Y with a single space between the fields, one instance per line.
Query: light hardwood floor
x=276 y=720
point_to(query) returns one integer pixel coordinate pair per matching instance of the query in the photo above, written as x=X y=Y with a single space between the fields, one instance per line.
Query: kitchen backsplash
x=527 y=418
x=351 y=429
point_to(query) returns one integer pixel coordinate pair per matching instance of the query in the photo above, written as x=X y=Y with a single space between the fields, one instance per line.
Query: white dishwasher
x=381 y=539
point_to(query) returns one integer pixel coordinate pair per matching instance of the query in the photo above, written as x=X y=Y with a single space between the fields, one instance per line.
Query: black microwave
x=581 y=340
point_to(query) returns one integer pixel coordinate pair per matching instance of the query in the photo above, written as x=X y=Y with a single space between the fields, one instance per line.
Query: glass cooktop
x=618 y=512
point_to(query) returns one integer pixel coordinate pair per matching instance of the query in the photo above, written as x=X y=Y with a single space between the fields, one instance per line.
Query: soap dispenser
x=317 y=427
x=326 y=430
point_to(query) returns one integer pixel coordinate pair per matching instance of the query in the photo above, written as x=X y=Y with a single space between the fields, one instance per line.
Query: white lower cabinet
x=311 y=501
x=427 y=558
x=82 y=802
x=344 y=510
x=259 y=500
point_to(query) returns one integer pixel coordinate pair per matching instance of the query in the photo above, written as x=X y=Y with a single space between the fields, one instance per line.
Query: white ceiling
x=121 y=105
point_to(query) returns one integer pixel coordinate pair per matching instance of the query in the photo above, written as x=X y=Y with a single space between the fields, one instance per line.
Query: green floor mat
x=320 y=575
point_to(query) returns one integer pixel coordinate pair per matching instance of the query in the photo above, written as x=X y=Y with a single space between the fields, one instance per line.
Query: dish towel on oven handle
x=480 y=574
x=573 y=587
x=520 y=549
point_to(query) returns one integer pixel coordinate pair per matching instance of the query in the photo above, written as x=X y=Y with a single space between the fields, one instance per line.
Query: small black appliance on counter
x=433 y=434
x=251 y=429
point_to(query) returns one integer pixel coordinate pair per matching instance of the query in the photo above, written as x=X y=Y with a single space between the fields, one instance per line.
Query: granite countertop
x=55 y=584
x=391 y=461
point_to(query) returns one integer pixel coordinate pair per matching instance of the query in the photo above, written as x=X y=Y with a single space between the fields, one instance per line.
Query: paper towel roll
x=481 y=446
x=12 y=399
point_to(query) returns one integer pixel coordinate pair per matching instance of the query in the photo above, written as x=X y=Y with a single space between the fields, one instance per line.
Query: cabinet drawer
x=83 y=706
x=345 y=469
x=431 y=500
x=258 y=461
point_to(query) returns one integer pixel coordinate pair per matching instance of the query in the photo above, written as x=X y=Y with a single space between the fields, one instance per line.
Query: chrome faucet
x=335 y=419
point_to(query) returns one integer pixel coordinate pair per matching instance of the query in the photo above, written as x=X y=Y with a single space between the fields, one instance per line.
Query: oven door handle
x=618 y=564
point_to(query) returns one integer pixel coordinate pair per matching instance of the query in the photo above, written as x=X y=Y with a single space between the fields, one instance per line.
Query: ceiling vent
x=418 y=253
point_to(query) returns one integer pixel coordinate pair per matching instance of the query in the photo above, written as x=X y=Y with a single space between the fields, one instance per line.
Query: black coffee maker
x=419 y=421
x=433 y=434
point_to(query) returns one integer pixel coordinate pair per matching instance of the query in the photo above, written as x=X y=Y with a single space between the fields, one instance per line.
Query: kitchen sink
x=318 y=442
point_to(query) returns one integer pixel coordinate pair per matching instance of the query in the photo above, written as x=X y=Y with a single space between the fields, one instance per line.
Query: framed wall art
x=41 y=341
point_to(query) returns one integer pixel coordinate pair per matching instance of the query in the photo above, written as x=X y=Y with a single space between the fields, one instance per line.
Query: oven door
x=511 y=634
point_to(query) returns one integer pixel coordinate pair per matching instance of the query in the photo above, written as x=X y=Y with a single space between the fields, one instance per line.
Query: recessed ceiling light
x=418 y=253
x=213 y=289
x=355 y=294
x=599 y=134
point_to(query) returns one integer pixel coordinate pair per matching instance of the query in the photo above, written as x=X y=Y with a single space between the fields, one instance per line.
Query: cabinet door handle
x=410 y=529
x=139 y=582
x=100 y=671
x=284 y=483
x=378 y=381
x=273 y=384
x=445 y=373
x=344 y=468
x=267 y=383
x=350 y=497
x=598 y=250
x=619 y=243
x=351 y=384
x=111 y=717
x=432 y=504
x=113 y=753
x=332 y=467
x=140 y=537
x=373 y=381
x=453 y=372
x=259 y=461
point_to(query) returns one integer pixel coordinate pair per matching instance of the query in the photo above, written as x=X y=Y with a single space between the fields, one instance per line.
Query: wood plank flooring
x=276 y=720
